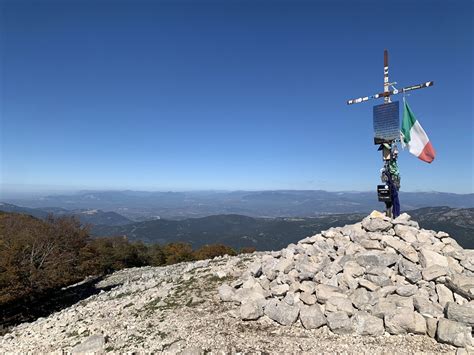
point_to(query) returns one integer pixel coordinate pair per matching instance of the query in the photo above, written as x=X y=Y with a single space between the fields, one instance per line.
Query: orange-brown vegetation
x=37 y=256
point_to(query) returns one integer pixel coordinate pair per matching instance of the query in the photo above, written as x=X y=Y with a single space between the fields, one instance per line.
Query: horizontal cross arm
x=366 y=98
x=389 y=93
x=415 y=87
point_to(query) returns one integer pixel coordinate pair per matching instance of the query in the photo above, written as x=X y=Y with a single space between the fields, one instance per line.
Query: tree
x=213 y=250
x=178 y=252
x=247 y=250
x=38 y=255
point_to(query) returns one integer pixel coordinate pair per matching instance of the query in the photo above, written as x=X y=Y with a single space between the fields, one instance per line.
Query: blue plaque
x=386 y=123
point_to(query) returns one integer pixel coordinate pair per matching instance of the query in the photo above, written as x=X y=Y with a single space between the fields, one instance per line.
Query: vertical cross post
x=386 y=89
x=386 y=100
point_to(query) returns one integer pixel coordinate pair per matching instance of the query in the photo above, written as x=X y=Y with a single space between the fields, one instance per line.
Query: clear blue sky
x=228 y=94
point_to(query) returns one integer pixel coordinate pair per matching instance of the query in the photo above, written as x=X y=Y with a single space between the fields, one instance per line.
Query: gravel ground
x=177 y=309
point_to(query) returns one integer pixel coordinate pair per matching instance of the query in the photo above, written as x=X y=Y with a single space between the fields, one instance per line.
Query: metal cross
x=386 y=86
x=388 y=192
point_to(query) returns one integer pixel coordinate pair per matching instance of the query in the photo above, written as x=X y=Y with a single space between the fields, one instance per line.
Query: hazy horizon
x=17 y=193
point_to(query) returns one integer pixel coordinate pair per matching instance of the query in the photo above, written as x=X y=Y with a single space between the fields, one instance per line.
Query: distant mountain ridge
x=272 y=233
x=241 y=231
x=142 y=205
x=233 y=230
x=91 y=216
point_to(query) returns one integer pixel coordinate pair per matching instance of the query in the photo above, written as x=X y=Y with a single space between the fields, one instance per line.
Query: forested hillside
x=275 y=233
x=38 y=256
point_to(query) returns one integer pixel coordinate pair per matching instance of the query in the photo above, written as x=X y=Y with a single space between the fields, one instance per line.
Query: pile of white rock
x=371 y=278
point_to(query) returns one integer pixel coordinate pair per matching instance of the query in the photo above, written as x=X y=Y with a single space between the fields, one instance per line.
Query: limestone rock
x=363 y=299
x=431 y=326
x=370 y=244
x=255 y=268
x=403 y=248
x=376 y=259
x=427 y=308
x=406 y=290
x=366 y=324
x=405 y=232
x=444 y=295
x=429 y=258
x=268 y=268
x=454 y=333
x=339 y=322
x=376 y=224
x=434 y=271
x=279 y=290
x=192 y=350
x=353 y=269
x=251 y=310
x=308 y=286
x=226 y=293
x=468 y=261
x=410 y=270
x=403 y=219
x=383 y=308
x=93 y=344
x=307 y=270
x=312 y=317
x=308 y=298
x=246 y=294
x=460 y=313
x=379 y=280
x=340 y=304
x=400 y=301
x=284 y=265
x=406 y=322
x=324 y=292
x=281 y=312
x=369 y=285
x=462 y=285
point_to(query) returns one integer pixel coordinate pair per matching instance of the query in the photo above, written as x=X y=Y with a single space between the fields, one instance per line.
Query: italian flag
x=414 y=136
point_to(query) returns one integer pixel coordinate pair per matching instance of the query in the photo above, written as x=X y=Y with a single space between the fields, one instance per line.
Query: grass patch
x=161 y=334
x=72 y=334
x=170 y=304
x=162 y=304
x=136 y=338
x=211 y=281
x=153 y=304
x=124 y=294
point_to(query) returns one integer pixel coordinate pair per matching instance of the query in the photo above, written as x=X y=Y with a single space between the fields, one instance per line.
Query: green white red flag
x=414 y=136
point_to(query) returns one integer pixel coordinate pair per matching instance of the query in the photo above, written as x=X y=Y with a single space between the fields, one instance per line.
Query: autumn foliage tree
x=37 y=256
x=213 y=250
x=178 y=252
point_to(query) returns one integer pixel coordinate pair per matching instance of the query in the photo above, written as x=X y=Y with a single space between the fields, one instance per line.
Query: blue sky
x=182 y=95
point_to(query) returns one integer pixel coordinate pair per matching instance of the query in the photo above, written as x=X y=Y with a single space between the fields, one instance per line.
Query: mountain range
x=273 y=233
x=245 y=230
x=86 y=216
x=143 y=205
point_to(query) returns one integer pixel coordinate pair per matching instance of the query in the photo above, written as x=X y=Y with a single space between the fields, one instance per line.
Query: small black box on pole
x=383 y=193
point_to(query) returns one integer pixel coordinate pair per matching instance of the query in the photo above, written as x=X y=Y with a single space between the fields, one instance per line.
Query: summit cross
x=386 y=86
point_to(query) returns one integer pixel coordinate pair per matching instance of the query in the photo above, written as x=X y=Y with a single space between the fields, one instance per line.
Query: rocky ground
x=372 y=287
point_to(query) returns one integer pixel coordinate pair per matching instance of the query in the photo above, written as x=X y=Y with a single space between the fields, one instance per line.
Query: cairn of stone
x=370 y=278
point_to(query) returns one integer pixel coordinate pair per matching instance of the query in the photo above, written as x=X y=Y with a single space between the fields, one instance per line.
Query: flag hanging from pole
x=414 y=136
